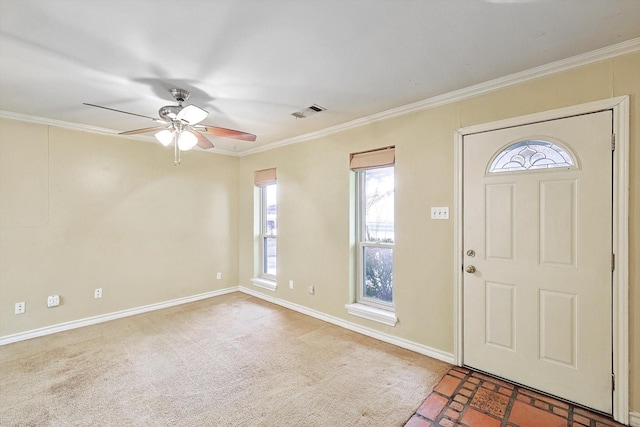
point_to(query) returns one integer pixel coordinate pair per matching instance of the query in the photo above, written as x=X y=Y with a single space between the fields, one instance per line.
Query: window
x=375 y=230
x=267 y=229
x=375 y=227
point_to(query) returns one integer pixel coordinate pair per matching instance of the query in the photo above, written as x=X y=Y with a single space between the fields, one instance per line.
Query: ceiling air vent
x=309 y=111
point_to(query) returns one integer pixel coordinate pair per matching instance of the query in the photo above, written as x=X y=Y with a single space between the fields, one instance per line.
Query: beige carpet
x=233 y=360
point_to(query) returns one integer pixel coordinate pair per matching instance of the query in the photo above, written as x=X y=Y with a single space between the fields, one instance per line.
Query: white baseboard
x=634 y=419
x=47 y=330
x=400 y=342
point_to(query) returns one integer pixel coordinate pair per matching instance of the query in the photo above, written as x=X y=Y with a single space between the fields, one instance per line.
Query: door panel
x=558 y=328
x=501 y=315
x=537 y=309
x=500 y=221
x=558 y=223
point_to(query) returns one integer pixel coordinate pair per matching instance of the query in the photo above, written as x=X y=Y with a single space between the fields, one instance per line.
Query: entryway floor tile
x=464 y=398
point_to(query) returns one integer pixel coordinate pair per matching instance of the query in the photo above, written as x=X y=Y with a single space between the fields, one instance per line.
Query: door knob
x=470 y=269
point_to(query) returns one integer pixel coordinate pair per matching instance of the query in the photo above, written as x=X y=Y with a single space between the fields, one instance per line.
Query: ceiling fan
x=181 y=125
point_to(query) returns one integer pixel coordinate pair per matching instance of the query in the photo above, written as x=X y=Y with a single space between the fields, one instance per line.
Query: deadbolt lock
x=471 y=253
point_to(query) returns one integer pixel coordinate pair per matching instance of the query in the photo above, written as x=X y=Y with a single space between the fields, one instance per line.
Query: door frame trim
x=620 y=276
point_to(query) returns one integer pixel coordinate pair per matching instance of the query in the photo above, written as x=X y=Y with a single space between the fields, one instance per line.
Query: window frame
x=265 y=233
x=362 y=243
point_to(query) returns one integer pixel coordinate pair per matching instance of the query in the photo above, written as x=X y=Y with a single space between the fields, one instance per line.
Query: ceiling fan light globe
x=187 y=140
x=165 y=137
x=192 y=114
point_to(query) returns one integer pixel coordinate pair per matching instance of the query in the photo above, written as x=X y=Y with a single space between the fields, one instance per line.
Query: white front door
x=537 y=224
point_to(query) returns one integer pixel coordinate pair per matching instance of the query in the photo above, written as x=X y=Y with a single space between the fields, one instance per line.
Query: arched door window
x=531 y=154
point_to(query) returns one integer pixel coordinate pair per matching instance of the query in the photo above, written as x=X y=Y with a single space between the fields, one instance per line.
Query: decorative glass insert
x=531 y=154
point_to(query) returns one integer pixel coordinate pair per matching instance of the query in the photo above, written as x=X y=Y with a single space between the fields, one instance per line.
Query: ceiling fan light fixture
x=192 y=114
x=187 y=140
x=165 y=137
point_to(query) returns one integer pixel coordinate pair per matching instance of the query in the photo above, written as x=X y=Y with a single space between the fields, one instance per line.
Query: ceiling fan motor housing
x=170 y=112
x=180 y=95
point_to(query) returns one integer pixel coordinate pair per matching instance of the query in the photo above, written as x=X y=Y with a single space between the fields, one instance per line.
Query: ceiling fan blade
x=144 y=130
x=192 y=114
x=125 y=112
x=227 y=133
x=203 y=142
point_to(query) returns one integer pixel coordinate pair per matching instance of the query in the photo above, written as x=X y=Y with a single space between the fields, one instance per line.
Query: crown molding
x=92 y=129
x=53 y=122
x=587 y=58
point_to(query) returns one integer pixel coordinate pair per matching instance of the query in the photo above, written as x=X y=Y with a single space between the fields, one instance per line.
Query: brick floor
x=464 y=398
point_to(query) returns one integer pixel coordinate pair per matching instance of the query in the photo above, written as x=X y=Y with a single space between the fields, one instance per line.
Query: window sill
x=265 y=283
x=371 y=313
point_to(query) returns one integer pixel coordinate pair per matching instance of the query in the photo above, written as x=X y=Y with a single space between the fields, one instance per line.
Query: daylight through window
x=266 y=181
x=269 y=229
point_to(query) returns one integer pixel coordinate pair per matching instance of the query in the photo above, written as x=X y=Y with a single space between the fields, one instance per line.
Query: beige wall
x=81 y=211
x=314 y=202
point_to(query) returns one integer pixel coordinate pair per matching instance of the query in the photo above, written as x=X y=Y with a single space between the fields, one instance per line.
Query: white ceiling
x=253 y=63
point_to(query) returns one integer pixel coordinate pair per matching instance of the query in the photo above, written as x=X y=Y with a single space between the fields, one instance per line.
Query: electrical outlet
x=440 y=212
x=290 y=284
x=219 y=276
x=97 y=293
x=20 y=307
x=311 y=289
x=53 y=301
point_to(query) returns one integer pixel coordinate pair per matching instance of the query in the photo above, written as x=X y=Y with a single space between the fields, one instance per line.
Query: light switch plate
x=441 y=212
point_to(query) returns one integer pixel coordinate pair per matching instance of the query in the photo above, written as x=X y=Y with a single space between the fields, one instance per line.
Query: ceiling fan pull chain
x=176 y=150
